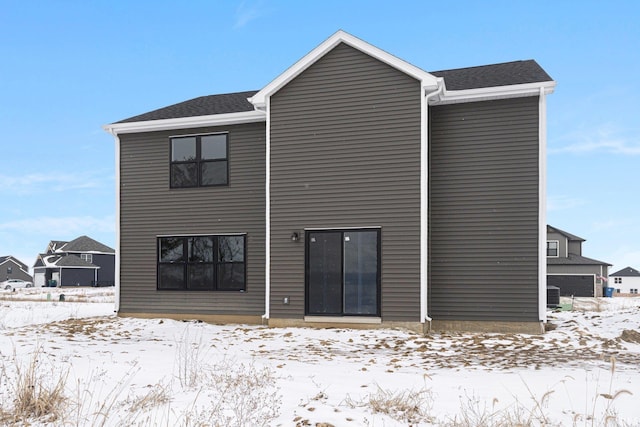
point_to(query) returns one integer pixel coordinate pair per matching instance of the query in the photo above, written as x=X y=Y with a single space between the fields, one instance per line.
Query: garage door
x=579 y=286
x=38 y=280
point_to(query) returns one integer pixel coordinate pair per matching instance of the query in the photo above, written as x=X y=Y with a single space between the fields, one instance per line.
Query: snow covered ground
x=117 y=371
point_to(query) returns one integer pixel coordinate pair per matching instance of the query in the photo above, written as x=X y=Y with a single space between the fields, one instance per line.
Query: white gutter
x=267 y=214
x=424 y=200
x=542 y=206
x=499 y=92
x=186 y=122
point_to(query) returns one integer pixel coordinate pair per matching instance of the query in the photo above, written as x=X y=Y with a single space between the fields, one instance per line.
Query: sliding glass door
x=343 y=272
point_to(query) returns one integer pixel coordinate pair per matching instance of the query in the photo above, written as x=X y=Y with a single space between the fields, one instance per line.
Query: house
x=574 y=274
x=13 y=268
x=80 y=262
x=625 y=281
x=354 y=189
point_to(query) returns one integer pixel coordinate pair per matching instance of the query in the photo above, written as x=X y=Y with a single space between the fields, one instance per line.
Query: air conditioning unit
x=553 y=296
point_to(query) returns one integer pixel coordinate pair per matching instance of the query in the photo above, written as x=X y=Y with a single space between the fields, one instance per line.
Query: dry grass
x=39 y=391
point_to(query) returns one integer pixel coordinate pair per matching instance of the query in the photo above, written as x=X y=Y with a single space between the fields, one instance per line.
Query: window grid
x=199 y=160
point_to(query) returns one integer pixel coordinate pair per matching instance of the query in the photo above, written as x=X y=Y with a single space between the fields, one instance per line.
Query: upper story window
x=617 y=280
x=552 y=248
x=200 y=160
x=87 y=257
x=9 y=270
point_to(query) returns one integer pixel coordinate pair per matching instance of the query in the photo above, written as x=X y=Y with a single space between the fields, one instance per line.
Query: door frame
x=307 y=232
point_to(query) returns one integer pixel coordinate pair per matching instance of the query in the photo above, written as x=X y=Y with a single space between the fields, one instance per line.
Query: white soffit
x=427 y=79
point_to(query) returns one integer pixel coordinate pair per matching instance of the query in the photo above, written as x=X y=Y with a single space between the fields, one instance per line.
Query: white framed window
x=87 y=257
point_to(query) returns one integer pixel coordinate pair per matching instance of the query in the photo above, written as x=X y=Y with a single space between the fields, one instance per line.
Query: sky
x=69 y=67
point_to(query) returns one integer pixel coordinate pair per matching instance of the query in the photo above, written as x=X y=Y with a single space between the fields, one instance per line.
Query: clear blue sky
x=68 y=67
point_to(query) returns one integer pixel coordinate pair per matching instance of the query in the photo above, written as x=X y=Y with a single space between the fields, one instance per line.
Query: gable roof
x=570 y=236
x=426 y=79
x=21 y=264
x=202 y=106
x=627 y=272
x=504 y=80
x=86 y=244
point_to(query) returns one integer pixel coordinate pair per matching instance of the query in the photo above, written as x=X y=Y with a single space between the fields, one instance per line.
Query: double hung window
x=552 y=248
x=199 y=160
x=202 y=263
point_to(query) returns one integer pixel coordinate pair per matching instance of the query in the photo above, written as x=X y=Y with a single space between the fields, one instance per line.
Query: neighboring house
x=625 y=281
x=574 y=274
x=355 y=188
x=13 y=268
x=80 y=262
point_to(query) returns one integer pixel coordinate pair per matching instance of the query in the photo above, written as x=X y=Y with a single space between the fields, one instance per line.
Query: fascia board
x=499 y=92
x=186 y=122
x=427 y=79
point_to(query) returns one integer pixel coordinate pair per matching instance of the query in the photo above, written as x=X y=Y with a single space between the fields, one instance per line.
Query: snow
x=125 y=371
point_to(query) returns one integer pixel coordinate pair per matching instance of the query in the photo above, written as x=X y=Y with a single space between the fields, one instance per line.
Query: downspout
x=116 y=273
x=424 y=201
x=267 y=221
x=542 y=206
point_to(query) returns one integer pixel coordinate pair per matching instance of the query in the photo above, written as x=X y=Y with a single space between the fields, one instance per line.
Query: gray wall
x=345 y=152
x=484 y=211
x=149 y=208
x=16 y=271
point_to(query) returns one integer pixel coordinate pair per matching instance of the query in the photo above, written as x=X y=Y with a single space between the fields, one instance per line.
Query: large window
x=202 y=263
x=87 y=257
x=199 y=161
x=552 y=248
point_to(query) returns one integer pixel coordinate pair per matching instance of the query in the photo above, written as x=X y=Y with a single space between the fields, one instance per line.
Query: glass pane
x=361 y=272
x=171 y=276
x=200 y=249
x=214 y=173
x=230 y=249
x=201 y=276
x=171 y=249
x=183 y=149
x=213 y=147
x=184 y=175
x=231 y=277
x=325 y=273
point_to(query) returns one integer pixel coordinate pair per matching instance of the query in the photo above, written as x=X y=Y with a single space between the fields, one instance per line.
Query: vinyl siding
x=345 y=152
x=148 y=208
x=484 y=211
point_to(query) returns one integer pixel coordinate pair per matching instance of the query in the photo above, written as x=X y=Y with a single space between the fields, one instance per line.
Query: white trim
x=259 y=99
x=497 y=92
x=424 y=200
x=542 y=206
x=267 y=214
x=341 y=228
x=186 y=122
x=116 y=278
x=345 y=319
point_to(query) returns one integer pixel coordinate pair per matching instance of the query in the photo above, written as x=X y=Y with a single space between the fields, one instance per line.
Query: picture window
x=202 y=263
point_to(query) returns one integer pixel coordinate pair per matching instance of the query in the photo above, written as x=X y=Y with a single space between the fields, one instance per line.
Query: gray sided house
x=80 y=262
x=354 y=189
x=567 y=269
x=13 y=268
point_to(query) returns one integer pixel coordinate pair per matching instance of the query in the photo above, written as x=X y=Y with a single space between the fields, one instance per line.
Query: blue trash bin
x=608 y=292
